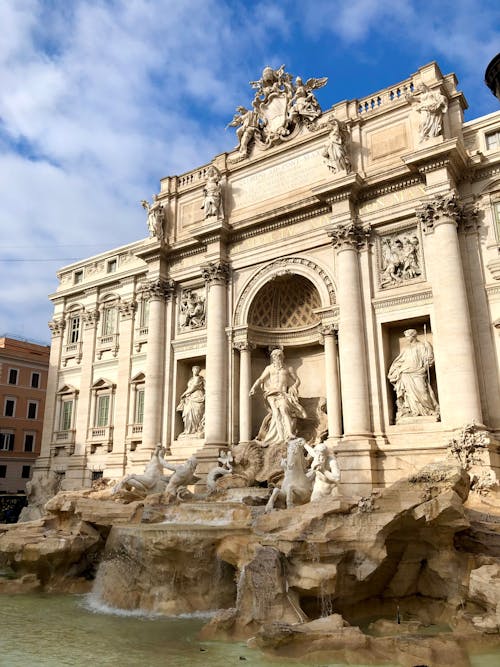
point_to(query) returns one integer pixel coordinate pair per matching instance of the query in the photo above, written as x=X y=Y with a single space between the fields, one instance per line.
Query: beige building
x=326 y=234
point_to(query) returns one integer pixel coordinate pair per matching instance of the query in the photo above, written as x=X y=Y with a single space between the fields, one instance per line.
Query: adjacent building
x=23 y=383
x=363 y=241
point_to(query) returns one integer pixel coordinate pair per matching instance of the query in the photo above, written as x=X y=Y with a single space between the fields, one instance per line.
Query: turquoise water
x=72 y=631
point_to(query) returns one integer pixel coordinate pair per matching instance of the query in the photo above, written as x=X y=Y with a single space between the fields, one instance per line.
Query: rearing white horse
x=296 y=487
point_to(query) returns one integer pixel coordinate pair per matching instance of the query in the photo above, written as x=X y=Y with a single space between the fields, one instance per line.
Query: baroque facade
x=363 y=241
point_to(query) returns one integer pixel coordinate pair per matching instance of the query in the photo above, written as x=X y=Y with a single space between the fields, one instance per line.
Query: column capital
x=127 y=308
x=243 y=345
x=215 y=273
x=350 y=235
x=57 y=326
x=91 y=317
x=157 y=289
x=440 y=210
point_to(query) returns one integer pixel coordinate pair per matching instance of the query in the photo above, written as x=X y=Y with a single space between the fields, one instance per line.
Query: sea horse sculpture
x=296 y=487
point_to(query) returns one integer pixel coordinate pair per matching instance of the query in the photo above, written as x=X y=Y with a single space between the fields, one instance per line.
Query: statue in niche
x=279 y=385
x=304 y=102
x=335 y=151
x=192 y=311
x=409 y=373
x=431 y=105
x=400 y=260
x=324 y=470
x=212 y=202
x=156 y=217
x=247 y=122
x=192 y=406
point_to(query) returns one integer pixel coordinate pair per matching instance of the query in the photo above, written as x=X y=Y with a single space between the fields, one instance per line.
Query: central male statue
x=280 y=387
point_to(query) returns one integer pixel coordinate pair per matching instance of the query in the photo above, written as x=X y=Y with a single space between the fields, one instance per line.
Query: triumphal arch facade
x=360 y=242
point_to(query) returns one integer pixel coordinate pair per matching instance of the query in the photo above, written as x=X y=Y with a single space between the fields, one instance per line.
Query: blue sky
x=102 y=98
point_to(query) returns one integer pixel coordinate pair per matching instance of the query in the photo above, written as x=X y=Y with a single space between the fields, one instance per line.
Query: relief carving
x=192 y=311
x=401 y=258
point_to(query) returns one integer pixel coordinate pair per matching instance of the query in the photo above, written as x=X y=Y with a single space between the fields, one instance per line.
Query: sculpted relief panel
x=399 y=258
x=192 y=313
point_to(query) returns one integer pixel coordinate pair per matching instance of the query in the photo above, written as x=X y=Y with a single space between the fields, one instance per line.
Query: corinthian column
x=245 y=349
x=346 y=240
x=455 y=358
x=156 y=292
x=333 y=399
x=216 y=275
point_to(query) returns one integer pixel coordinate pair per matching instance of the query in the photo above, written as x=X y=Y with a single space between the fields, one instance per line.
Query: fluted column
x=346 y=240
x=156 y=292
x=245 y=403
x=333 y=397
x=216 y=275
x=458 y=388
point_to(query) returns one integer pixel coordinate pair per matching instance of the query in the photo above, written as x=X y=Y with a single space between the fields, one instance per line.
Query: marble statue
x=151 y=480
x=192 y=311
x=156 y=217
x=247 y=123
x=400 y=259
x=39 y=490
x=324 y=471
x=212 y=192
x=409 y=373
x=279 y=385
x=192 y=406
x=296 y=485
x=335 y=151
x=431 y=105
x=304 y=103
x=225 y=467
x=183 y=475
x=279 y=105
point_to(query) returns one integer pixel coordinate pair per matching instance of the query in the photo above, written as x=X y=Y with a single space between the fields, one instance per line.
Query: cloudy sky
x=99 y=99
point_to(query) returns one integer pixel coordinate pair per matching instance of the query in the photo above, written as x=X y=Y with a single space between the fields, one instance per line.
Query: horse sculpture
x=151 y=481
x=296 y=487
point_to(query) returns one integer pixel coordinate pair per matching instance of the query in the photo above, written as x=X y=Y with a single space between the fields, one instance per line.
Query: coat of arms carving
x=280 y=106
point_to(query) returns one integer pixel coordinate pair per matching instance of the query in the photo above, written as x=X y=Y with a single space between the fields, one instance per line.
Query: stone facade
x=326 y=234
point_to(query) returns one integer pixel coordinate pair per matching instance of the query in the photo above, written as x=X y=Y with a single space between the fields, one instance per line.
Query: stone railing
x=385 y=97
x=105 y=343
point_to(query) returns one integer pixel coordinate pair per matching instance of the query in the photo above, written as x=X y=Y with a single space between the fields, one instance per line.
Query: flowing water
x=75 y=631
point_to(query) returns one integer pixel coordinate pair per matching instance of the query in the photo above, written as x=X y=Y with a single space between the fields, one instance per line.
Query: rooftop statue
x=431 y=105
x=212 y=200
x=335 y=152
x=279 y=105
x=156 y=217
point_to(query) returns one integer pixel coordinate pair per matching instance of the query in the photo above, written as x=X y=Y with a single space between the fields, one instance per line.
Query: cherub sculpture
x=304 y=103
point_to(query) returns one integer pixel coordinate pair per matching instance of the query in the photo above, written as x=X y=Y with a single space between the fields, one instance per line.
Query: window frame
x=493 y=133
x=29 y=434
x=29 y=404
x=3 y=471
x=12 y=369
x=10 y=399
x=74 y=331
x=26 y=468
x=11 y=441
x=39 y=381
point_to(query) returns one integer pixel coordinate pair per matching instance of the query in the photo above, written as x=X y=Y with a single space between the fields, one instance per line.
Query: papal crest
x=280 y=106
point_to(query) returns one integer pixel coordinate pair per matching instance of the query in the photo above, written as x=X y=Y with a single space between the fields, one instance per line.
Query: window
x=139 y=406
x=13 y=375
x=493 y=140
x=3 y=471
x=66 y=415
x=74 y=329
x=78 y=277
x=112 y=265
x=96 y=474
x=108 y=321
x=26 y=471
x=29 y=442
x=6 y=441
x=496 y=215
x=102 y=411
x=35 y=380
x=32 y=409
x=10 y=407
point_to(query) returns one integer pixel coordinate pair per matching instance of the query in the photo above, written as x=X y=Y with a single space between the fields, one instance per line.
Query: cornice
x=448 y=154
x=386 y=303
